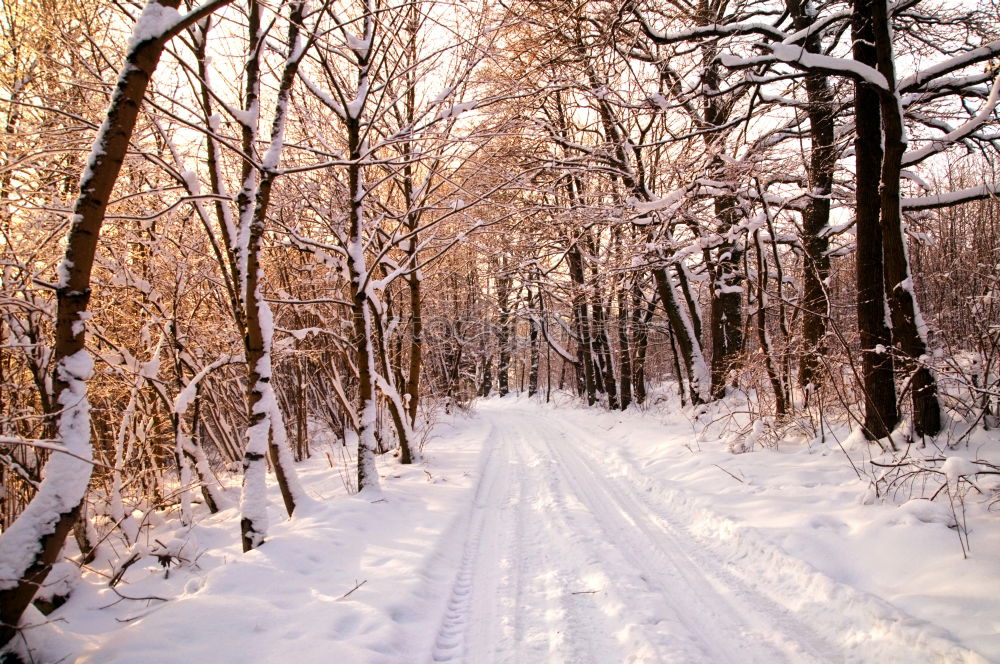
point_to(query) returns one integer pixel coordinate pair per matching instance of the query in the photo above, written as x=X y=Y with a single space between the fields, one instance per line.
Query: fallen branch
x=728 y=473
x=358 y=585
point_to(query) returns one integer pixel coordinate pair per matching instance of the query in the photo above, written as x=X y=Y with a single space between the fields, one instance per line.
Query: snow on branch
x=961 y=61
x=713 y=30
x=52 y=446
x=940 y=143
x=802 y=59
x=557 y=347
x=186 y=396
x=951 y=198
x=154 y=22
x=160 y=22
x=670 y=201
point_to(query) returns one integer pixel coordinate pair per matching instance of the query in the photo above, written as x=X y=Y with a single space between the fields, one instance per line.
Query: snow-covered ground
x=542 y=533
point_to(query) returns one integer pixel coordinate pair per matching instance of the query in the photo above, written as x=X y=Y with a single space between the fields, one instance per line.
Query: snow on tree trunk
x=32 y=544
x=816 y=216
x=413 y=282
x=266 y=432
x=357 y=266
x=680 y=323
x=213 y=494
x=726 y=295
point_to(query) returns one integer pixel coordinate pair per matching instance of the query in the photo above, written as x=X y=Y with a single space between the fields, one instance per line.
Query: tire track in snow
x=720 y=622
x=580 y=625
x=563 y=560
x=512 y=598
x=858 y=626
x=450 y=643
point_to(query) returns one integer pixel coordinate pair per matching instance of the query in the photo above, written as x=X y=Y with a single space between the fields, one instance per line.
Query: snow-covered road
x=564 y=563
x=565 y=559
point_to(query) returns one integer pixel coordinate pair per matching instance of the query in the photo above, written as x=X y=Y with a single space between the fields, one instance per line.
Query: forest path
x=564 y=560
x=535 y=533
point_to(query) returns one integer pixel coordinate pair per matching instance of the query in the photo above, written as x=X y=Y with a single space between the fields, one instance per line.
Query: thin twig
x=358 y=585
x=728 y=473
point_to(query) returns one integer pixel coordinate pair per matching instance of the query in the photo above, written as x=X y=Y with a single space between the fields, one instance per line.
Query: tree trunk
x=51 y=515
x=533 y=344
x=816 y=216
x=881 y=414
x=606 y=370
x=416 y=339
x=486 y=385
x=908 y=328
x=266 y=432
x=763 y=338
x=397 y=410
x=689 y=346
x=726 y=298
x=642 y=315
x=624 y=348
x=582 y=319
x=503 y=332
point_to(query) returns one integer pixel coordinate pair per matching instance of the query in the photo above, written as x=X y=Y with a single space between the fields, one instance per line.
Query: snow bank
x=346 y=580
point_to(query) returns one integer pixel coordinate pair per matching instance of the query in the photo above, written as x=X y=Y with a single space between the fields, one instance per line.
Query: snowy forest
x=274 y=271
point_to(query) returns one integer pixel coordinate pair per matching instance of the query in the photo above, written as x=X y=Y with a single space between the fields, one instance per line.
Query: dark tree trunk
x=504 y=320
x=624 y=348
x=642 y=315
x=486 y=386
x=581 y=314
x=687 y=343
x=763 y=338
x=678 y=368
x=606 y=370
x=816 y=217
x=881 y=414
x=533 y=344
x=903 y=308
x=726 y=298
x=416 y=340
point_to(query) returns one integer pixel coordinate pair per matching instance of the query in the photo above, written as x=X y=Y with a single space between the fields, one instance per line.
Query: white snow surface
x=539 y=533
x=155 y=20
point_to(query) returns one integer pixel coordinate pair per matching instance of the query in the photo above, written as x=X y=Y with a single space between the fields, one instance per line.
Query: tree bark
x=690 y=348
x=881 y=413
x=533 y=342
x=642 y=315
x=763 y=338
x=726 y=298
x=816 y=216
x=907 y=324
x=504 y=282
x=624 y=348
x=582 y=319
x=266 y=430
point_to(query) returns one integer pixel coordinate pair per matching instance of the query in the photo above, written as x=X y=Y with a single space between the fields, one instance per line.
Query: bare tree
x=30 y=546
